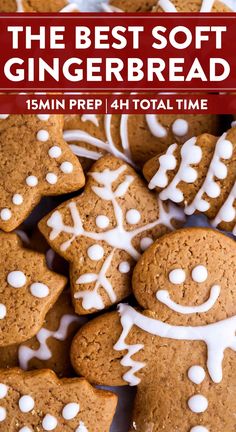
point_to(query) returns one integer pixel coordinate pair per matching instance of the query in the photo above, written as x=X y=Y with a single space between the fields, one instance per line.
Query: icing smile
x=164 y=297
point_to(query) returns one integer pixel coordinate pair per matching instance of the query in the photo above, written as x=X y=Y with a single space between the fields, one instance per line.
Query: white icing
x=102 y=221
x=198 y=404
x=19 y=6
x=155 y=126
x=124 y=267
x=51 y=178
x=217 y=169
x=95 y=252
x=72 y=7
x=16 y=279
x=43 y=117
x=17 y=199
x=5 y=214
x=70 y=411
x=3 y=311
x=31 y=181
x=180 y=127
x=81 y=427
x=55 y=152
x=167 y=6
x=133 y=216
x=207 y=5
x=39 y=290
x=217 y=336
x=26 y=354
x=167 y=162
x=66 y=167
x=145 y=243
x=199 y=429
x=43 y=135
x=3 y=414
x=110 y=9
x=26 y=404
x=164 y=297
x=199 y=274
x=177 y=276
x=227 y=212
x=196 y=374
x=25 y=429
x=91 y=118
x=49 y=422
x=4 y=116
x=3 y=390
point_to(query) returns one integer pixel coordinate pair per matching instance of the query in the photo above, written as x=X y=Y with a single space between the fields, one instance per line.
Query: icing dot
x=32 y=181
x=51 y=178
x=198 y=404
x=43 y=117
x=3 y=391
x=54 y=152
x=43 y=135
x=102 y=221
x=26 y=404
x=81 y=427
x=4 y=116
x=196 y=374
x=226 y=150
x=199 y=274
x=199 y=429
x=3 y=414
x=16 y=279
x=17 y=199
x=70 y=411
x=177 y=276
x=124 y=267
x=25 y=429
x=180 y=127
x=133 y=216
x=3 y=312
x=5 y=214
x=49 y=422
x=66 y=167
x=95 y=252
x=145 y=243
x=39 y=290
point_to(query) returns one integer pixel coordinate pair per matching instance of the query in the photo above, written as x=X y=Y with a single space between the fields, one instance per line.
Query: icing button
x=70 y=411
x=177 y=276
x=26 y=404
x=39 y=290
x=49 y=422
x=51 y=178
x=198 y=404
x=17 y=199
x=31 y=181
x=43 y=136
x=196 y=374
x=133 y=216
x=95 y=252
x=66 y=167
x=3 y=391
x=124 y=267
x=3 y=312
x=16 y=279
x=3 y=414
x=6 y=214
x=55 y=152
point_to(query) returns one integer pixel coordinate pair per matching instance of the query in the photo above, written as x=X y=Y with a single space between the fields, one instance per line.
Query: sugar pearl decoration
x=55 y=152
x=199 y=274
x=198 y=404
x=133 y=216
x=32 y=181
x=17 y=199
x=49 y=422
x=70 y=411
x=3 y=414
x=39 y=290
x=6 y=214
x=3 y=312
x=3 y=391
x=95 y=252
x=177 y=276
x=43 y=136
x=66 y=167
x=16 y=279
x=124 y=267
x=26 y=404
x=51 y=178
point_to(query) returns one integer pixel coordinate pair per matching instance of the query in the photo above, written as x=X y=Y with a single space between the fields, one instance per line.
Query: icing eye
x=199 y=274
x=177 y=276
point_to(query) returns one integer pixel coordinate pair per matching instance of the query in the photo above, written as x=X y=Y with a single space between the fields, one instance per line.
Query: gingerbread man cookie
x=39 y=401
x=35 y=162
x=90 y=136
x=200 y=175
x=28 y=291
x=191 y=6
x=37 y=6
x=103 y=232
x=180 y=351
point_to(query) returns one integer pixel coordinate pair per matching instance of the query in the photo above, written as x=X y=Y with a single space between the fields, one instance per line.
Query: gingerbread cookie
x=37 y=6
x=133 y=138
x=39 y=401
x=201 y=176
x=50 y=348
x=181 y=351
x=28 y=291
x=191 y=6
x=103 y=232
x=35 y=161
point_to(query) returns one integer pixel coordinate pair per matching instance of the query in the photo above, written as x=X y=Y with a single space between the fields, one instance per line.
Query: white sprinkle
x=32 y=181
x=39 y=290
x=26 y=404
x=6 y=214
x=16 y=279
x=43 y=135
x=3 y=312
x=17 y=199
x=55 y=152
x=51 y=178
x=66 y=167
x=3 y=391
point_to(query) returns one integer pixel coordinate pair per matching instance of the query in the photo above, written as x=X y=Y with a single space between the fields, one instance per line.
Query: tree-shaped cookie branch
x=35 y=162
x=180 y=351
x=39 y=401
x=200 y=176
x=103 y=231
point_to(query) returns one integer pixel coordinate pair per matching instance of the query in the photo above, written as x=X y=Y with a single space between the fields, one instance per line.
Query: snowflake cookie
x=200 y=175
x=38 y=401
x=180 y=351
x=133 y=138
x=28 y=290
x=35 y=161
x=37 y=6
x=50 y=348
x=103 y=232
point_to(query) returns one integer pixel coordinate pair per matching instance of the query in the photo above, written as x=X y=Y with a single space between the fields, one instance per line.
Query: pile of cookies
x=93 y=215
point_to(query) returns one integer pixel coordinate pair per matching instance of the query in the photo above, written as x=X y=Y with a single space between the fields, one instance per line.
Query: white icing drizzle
x=109 y=8
x=227 y=212
x=26 y=354
x=19 y=6
x=4 y=116
x=155 y=126
x=164 y=297
x=71 y=7
x=217 y=169
x=168 y=6
x=167 y=162
x=91 y=118
x=81 y=427
x=217 y=336
x=117 y=237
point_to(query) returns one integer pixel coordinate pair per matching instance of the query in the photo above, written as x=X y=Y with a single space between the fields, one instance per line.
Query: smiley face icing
x=39 y=401
x=28 y=290
x=103 y=232
x=35 y=162
x=200 y=175
x=183 y=344
x=37 y=6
